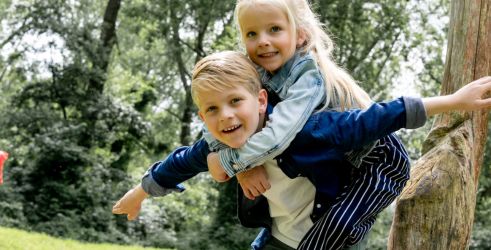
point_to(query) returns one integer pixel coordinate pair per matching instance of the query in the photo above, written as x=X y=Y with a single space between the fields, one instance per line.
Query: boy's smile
x=233 y=114
x=269 y=37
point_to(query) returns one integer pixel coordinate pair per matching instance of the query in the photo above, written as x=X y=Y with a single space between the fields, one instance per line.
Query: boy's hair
x=224 y=70
x=342 y=90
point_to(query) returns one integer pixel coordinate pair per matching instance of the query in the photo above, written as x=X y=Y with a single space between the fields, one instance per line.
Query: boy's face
x=268 y=36
x=232 y=115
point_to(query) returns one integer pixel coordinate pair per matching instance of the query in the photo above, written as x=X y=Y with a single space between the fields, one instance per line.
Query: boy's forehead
x=211 y=96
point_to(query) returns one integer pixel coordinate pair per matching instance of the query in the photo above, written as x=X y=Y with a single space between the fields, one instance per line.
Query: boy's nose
x=226 y=113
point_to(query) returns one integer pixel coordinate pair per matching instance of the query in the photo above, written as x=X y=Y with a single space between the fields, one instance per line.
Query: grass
x=14 y=239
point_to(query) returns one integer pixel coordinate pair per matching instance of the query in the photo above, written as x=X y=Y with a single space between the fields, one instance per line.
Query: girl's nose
x=263 y=41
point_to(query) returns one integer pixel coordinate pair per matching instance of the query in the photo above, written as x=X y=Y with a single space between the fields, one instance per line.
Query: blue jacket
x=318 y=152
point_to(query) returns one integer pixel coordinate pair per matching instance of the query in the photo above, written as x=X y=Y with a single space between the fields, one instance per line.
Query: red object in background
x=3 y=157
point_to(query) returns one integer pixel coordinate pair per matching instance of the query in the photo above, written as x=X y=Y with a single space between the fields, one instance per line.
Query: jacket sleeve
x=351 y=130
x=184 y=163
x=287 y=119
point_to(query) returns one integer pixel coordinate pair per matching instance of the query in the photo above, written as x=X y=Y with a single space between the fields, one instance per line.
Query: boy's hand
x=130 y=203
x=254 y=182
x=216 y=169
x=473 y=95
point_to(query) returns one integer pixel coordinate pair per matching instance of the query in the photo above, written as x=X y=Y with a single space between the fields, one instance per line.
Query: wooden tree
x=436 y=209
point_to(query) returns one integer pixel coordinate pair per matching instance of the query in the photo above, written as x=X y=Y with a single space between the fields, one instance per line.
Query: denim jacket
x=317 y=152
x=300 y=87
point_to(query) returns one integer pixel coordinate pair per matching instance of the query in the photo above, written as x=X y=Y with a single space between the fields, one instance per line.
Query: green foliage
x=481 y=232
x=370 y=39
x=379 y=235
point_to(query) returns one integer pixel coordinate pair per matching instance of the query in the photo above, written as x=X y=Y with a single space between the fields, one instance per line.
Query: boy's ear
x=201 y=116
x=263 y=101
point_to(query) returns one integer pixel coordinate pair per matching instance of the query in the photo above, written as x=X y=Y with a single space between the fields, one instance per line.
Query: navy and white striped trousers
x=380 y=178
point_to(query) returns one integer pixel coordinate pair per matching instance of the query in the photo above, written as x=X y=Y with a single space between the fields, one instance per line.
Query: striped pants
x=380 y=178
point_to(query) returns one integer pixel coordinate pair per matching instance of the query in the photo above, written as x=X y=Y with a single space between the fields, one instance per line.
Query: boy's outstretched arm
x=130 y=203
x=468 y=98
x=165 y=177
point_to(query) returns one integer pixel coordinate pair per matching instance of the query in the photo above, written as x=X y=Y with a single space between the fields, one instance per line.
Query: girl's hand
x=216 y=169
x=254 y=182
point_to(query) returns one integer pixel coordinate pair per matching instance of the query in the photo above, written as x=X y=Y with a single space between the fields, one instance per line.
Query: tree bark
x=436 y=209
x=107 y=40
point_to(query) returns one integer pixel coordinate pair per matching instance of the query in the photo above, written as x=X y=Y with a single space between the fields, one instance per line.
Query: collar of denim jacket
x=275 y=82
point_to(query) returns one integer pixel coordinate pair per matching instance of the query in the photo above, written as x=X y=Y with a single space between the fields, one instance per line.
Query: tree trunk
x=108 y=39
x=436 y=209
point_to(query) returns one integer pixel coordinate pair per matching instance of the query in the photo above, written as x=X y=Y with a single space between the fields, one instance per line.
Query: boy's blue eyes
x=232 y=101
x=251 y=34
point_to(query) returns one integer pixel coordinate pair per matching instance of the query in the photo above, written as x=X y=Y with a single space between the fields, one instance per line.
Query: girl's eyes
x=275 y=29
x=252 y=34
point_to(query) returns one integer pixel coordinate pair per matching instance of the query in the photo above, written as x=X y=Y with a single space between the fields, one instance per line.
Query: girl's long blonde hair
x=342 y=90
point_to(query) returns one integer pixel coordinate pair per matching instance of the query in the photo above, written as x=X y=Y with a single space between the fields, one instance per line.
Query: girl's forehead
x=261 y=9
x=260 y=14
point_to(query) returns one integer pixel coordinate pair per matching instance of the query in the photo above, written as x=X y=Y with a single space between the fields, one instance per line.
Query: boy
x=227 y=90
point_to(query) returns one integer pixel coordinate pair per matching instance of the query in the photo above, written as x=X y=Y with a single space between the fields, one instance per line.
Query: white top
x=291 y=202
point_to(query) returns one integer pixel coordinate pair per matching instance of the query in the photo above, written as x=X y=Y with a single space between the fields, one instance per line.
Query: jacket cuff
x=229 y=159
x=151 y=187
x=415 y=112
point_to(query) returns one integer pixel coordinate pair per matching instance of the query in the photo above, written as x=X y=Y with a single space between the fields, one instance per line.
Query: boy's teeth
x=231 y=128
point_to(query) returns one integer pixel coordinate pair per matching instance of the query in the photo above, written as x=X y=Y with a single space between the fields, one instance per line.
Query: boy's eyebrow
x=206 y=105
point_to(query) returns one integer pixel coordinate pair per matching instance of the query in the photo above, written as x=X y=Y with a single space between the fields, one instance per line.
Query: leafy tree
x=64 y=132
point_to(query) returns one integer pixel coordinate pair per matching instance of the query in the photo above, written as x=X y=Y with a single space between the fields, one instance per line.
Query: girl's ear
x=301 y=37
x=263 y=101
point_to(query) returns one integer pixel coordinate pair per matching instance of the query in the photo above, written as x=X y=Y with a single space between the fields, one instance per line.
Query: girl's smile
x=269 y=37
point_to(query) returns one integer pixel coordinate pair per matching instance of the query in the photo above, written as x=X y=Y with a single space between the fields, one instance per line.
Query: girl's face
x=268 y=36
x=232 y=115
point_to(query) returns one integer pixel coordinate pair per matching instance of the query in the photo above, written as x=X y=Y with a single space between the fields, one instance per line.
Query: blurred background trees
x=93 y=92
